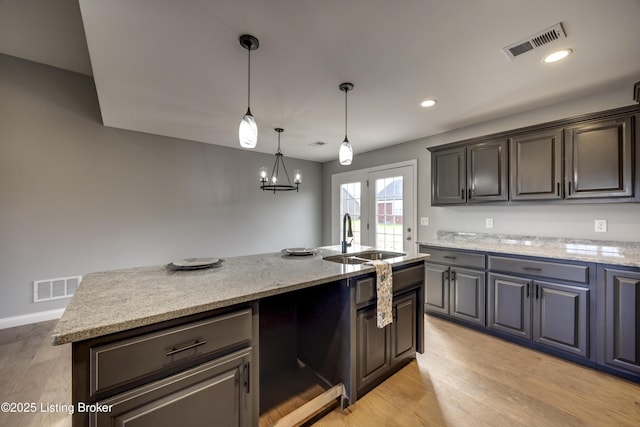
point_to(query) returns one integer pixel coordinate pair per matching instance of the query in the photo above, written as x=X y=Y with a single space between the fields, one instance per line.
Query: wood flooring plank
x=465 y=378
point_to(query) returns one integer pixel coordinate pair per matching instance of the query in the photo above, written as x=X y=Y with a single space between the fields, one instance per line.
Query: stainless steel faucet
x=346 y=232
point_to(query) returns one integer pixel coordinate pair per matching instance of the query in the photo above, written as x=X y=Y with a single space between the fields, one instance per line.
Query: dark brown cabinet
x=592 y=158
x=380 y=351
x=619 y=319
x=547 y=302
x=455 y=285
x=548 y=313
x=474 y=173
x=487 y=171
x=214 y=393
x=536 y=166
x=196 y=371
x=598 y=159
x=448 y=168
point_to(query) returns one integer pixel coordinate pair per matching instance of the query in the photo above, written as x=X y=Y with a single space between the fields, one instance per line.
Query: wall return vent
x=534 y=41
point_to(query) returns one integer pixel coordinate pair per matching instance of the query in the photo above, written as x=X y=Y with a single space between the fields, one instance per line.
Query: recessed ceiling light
x=557 y=55
x=428 y=103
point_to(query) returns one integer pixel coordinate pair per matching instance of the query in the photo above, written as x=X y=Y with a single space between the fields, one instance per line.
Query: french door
x=381 y=203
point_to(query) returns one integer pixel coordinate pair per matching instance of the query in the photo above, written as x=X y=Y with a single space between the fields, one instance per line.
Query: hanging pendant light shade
x=248 y=131
x=276 y=182
x=345 y=155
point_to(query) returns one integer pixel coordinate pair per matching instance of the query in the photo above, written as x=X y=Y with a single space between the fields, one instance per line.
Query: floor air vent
x=534 y=41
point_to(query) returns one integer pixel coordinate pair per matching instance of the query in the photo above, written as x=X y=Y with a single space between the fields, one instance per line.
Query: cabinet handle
x=537 y=288
x=528 y=289
x=450 y=257
x=462 y=193
x=469 y=194
x=188 y=347
x=247 y=377
x=569 y=188
x=558 y=189
x=531 y=268
x=453 y=275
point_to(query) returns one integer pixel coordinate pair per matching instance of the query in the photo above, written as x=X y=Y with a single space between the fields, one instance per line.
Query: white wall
x=77 y=197
x=573 y=221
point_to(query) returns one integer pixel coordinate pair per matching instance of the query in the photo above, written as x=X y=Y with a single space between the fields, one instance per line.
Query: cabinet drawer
x=463 y=259
x=123 y=361
x=402 y=279
x=551 y=270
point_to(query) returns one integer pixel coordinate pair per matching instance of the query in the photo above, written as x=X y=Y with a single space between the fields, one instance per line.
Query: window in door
x=389 y=213
x=381 y=202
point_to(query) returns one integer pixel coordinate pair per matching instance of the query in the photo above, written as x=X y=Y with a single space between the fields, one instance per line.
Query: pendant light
x=248 y=132
x=345 y=155
x=271 y=184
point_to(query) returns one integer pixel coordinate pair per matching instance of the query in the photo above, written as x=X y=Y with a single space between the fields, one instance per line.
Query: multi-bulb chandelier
x=275 y=182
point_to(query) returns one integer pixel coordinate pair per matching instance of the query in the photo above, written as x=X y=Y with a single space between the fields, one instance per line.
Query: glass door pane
x=391 y=196
x=389 y=213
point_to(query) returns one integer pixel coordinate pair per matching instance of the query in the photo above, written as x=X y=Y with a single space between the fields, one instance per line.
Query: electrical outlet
x=600 y=225
x=424 y=220
x=488 y=222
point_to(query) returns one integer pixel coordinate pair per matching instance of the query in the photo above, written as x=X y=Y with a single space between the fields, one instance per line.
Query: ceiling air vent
x=534 y=41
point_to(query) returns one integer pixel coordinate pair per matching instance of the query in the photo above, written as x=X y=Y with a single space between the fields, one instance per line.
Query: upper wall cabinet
x=598 y=159
x=593 y=158
x=448 y=181
x=475 y=173
x=536 y=166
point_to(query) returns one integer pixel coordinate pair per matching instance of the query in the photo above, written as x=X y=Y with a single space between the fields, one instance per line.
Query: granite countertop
x=114 y=301
x=596 y=251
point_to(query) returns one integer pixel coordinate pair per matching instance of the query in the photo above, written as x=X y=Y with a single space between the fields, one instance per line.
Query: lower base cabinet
x=214 y=393
x=619 y=319
x=456 y=292
x=380 y=351
x=554 y=315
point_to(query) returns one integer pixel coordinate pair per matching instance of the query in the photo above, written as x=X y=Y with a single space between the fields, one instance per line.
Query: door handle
x=174 y=350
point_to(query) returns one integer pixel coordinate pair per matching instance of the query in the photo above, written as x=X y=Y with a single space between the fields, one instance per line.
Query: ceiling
x=177 y=68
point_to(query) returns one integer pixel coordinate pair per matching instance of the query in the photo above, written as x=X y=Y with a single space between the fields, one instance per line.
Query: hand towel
x=384 y=291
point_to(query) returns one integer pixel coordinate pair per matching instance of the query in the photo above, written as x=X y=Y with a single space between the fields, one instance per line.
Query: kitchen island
x=148 y=339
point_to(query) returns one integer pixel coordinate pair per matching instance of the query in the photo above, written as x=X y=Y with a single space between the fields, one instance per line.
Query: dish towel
x=384 y=291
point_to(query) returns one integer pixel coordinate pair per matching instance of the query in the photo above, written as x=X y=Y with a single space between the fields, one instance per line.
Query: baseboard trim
x=27 y=319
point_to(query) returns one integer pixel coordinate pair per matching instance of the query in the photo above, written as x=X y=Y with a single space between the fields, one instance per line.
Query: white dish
x=300 y=251
x=196 y=262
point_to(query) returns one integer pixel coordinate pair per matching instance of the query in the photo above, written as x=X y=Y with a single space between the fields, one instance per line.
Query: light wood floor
x=465 y=378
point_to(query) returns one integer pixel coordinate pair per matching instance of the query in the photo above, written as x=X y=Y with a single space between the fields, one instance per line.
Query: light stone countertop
x=596 y=251
x=118 y=300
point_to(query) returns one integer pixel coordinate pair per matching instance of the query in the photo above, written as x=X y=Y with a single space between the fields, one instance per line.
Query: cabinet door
x=437 y=288
x=214 y=393
x=448 y=182
x=403 y=335
x=536 y=166
x=598 y=160
x=509 y=305
x=560 y=317
x=487 y=171
x=467 y=295
x=372 y=348
x=620 y=313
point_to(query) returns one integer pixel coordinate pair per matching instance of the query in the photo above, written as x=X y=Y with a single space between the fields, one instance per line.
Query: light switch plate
x=424 y=220
x=488 y=222
x=600 y=225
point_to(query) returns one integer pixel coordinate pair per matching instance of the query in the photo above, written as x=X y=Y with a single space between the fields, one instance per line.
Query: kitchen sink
x=362 y=257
